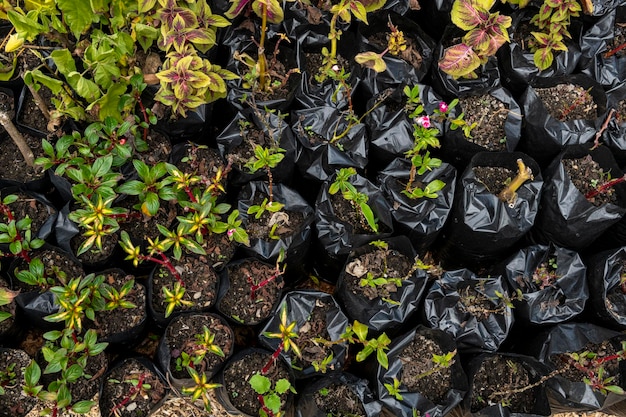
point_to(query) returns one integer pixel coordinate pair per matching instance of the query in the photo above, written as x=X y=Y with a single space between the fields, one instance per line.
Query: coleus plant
x=485 y=33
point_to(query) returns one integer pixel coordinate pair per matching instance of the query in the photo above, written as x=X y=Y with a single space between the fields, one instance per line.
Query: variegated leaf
x=272 y=8
x=372 y=5
x=467 y=15
x=236 y=8
x=459 y=61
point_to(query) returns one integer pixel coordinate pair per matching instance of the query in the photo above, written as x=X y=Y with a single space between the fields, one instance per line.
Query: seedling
x=396 y=44
x=152 y=187
x=8 y=377
x=545 y=274
x=193 y=353
x=201 y=388
x=357 y=199
x=6 y=297
x=278 y=271
x=138 y=386
x=605 y=187
x=592 y=366
x=15 y=232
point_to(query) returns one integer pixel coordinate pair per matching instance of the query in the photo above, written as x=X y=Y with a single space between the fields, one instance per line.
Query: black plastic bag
x=485 y=366
x=517 y=64
x=319 y=160
x=606 y=70
x=459 y=150
x=296 y=243
x=421 y=220
x=615 y=134
x=230 y=143
x=545 y=136
x=607 y=302
x=482 y=228
x=337 y=236
x=306 y=405
x=548 y=302
x=576 y=395
x=410 y=401
x=299 y=305
x=451 y=305
x=399 y=71
x=566 y=218
x=380 y=314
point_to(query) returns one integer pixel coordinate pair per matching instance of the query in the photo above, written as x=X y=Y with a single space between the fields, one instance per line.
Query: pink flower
x=423 y=121
x=230 y=232
x=443 y=107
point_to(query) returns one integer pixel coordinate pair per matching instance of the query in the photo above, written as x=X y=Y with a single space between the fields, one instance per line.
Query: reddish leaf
x=273 y=10
x=459 y=61
x=371 y=5
x=467 y=15
x=236 y=8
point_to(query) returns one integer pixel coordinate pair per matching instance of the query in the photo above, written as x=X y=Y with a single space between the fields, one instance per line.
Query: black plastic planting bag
x=535 y=371
x=306 y=405
x=422 y=219
x=576 y=395
x=608 y=299
x=450 y=305
x=517 y=63
x=294 y=244
x=547 y=300
x=483 y=228
x=231 y=142
x=410 y=400
x=459 y=150
x=337 y=236
x=299 y=305
x=391 y=130
x=318 y=160
x=399 y=71
x=566 y=218
x=378 y=313
x=606 y=70
x=545 y=136
x=615 y=134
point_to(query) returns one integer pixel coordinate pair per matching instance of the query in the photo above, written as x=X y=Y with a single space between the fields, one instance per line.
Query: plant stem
x=275 y=356
x=575 y=104
x=615 y=50
x=602 y=188
x=255 y=287
x=39 y=101
x=605 y=125
x=131 y=393
x=261 y=54
x=146 y=119
x=166 y=263
x=19 y=140
x=509 y=194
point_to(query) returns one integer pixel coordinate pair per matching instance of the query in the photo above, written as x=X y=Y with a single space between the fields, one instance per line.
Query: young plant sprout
x=396 y=44
x=254 y=287
x=509 y=194
x=357 y=199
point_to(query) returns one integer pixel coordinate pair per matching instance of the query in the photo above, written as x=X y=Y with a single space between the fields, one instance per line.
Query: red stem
x=275 y=356
x=615 y=50
x=604 y=187
x=133 y=391
x=192 y=197
x=166 y=263
x=255 y=287
x=263 y=406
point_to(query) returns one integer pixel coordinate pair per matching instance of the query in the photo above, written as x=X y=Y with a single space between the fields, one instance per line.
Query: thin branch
x=605 y=125
x=19 y=140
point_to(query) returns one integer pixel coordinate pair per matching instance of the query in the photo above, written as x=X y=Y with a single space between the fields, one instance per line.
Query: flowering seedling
x=357 y=199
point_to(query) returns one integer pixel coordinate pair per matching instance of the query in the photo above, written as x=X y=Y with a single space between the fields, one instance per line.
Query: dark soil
x=238 y=302
x=495 y=179
x=378 y=263
x=313 y=63
x=238 y=373
x=567 y=102
x=287 y=222
x=242 y=153
x=472 y=301
x=563 y=362
x=181 y=336
x=200 y=282
x=586 y=174
x=350 y=214
x=489 y=114
x=122 y=320
x=7 y=105
x=116 y=395
x=339 y=400
x=56 y=264
x=419 y=372
x=502 y=374
x=94 y=255
x=30 y=115
x=219 y=248
x=13 y=403
x=315 y=327
x=159 y=148
x=28 y=206
x=202 y=161
x=12 y=162
x=619 y=38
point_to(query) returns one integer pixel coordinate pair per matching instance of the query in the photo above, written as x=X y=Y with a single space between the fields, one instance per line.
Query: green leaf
x=282 y=386
x=260 y=383
x=151 y=205
x=236 y=8
x=543 y=58
x=85 y=88
x=102 y=165
x=74 y=372
x=77 y=14
x=146 y=35
x=272 y=401
x=467 y=14
x=360 y=330
x=52 y=335
x=27 y=26
x=83 y=407
x=132 y=187
x=142 y=169
x=382 y=359
x=62 y=58
x=32 y=373
x=146 y=5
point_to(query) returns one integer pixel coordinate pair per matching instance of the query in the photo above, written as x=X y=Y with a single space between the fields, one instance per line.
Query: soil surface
x=239 y=303
x=564 y=363
x=419 y=372
x=56 y=264
x=159 y=148
x=412 y=54
x=13 y=403
x=586 y=175
x=30 y=115
x=28 y=206
x=567 y=102
x=494 y=179
x=94 y=255
x=351 y=214
x=315 y=327
x=500 y=374
x=339 y=400
x=474 y=302
x=284 y=222
x=183 y=335
x=12 y=162
x=489 y=114
x=619 y=38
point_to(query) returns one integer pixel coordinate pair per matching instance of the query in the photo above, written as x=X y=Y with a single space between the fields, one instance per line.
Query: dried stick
x=605 y=125
x=17 y=137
